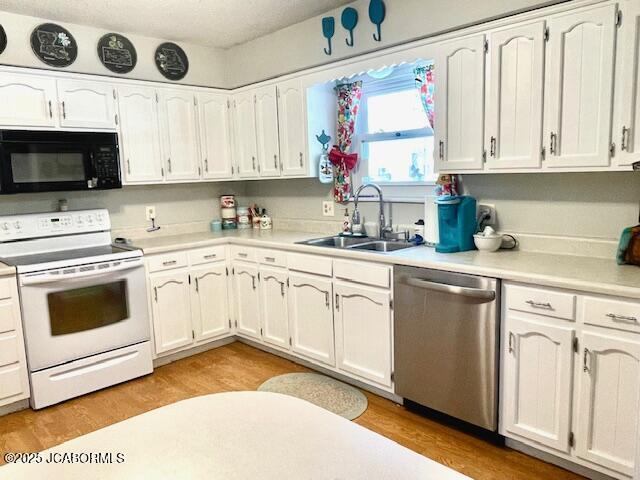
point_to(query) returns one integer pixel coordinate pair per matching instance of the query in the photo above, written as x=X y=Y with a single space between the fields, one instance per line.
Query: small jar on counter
x=244 y=218
x=216 y=225
x=265 y=221
x=227 y=201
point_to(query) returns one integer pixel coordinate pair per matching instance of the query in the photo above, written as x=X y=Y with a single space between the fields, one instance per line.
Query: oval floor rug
x=323 y=391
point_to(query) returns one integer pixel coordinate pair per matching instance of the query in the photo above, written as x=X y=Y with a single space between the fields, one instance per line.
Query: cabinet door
x=363 y=332
x=626 y=131
x=85 y=104
x=608 y=404
x=293 y=128
x=311 y=317
x=459 y=68
x=578 y=93
x=247 y=309
x=179 y=134
x=209 y=301
x=514 y=119
x=245 y=153
x=267 y=131
x=274 y=307
x=139 y=135
x=172 y=327
x=215 y=141
x=538 y=381
x=27 y=100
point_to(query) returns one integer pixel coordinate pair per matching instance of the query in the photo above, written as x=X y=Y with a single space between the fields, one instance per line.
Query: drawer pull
x=545 y=305
x=270 y=259
x=585 y=360
x=211 y=255
x=169 y=262
x=622 y=318
x=511 y=339
x=243 y=255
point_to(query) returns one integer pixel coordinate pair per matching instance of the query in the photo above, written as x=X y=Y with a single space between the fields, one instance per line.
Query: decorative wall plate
x=3 y=39
x=117 y=53
x=54 y=45
x=172 y=61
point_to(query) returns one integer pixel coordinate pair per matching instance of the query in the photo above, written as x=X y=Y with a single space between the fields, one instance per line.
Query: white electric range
x=84 y=303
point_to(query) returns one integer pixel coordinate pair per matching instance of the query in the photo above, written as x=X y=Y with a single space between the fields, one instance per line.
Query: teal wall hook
x=349 y=22
x=376 y=15
x=328 y=29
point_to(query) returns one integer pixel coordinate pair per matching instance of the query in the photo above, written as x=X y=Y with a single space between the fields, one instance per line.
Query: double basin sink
x=368 y=244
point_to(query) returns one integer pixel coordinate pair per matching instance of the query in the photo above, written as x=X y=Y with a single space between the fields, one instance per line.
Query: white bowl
x=488 y=244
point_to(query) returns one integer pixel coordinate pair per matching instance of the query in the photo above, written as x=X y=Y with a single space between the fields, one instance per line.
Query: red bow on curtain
x=348 y=160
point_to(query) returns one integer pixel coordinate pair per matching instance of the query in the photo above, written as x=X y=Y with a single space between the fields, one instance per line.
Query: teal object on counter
x=456 y=223
x=623 y=245
x=216 y=225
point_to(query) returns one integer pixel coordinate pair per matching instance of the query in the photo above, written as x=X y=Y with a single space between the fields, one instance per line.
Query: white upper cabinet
x=209 y=301
x=86 y=104
x=27 y=100
x=245 y=153
x=626 y=133
x=513 y=134
x=538 y=362
x=266 y=108
x=579 y=88
x=215 y=140
x=293 y=132
x=179 y=134
x=609 y=404
x=139 y=135
x=459 y=67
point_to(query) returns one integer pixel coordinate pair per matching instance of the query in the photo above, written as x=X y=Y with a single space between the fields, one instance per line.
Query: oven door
x=82 y=315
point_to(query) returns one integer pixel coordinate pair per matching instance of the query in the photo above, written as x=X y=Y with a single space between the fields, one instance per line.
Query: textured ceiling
x=213 y=23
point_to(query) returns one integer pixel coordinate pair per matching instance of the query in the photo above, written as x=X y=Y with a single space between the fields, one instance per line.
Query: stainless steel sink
x=354 y=243
x=383 y=246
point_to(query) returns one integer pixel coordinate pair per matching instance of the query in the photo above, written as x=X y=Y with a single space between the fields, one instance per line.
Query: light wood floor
x=240 y=367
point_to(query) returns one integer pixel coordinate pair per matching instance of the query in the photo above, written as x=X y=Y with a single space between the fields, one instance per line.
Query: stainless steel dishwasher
x=446 y=342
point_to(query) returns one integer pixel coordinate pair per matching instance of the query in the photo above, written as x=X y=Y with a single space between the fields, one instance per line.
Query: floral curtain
x=349 y=95
x=426 y=84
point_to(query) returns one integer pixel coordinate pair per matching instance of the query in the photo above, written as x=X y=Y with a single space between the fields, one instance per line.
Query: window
x=395 y=136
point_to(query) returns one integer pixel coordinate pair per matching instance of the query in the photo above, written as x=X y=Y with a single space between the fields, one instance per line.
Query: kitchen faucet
x=383 y=228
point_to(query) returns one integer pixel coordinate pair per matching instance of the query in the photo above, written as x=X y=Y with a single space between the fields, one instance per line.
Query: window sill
x=399 y=193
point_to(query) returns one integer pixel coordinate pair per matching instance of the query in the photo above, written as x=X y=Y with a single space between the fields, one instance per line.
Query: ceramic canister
x=244 y=219
x=228 y=213
x=227 y=201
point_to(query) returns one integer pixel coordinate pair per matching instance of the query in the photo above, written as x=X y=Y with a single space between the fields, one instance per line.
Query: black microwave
x=51 y=161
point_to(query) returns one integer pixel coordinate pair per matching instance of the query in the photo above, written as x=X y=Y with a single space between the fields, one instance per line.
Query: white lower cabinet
x=311 y=317
x=363 y=331
x=274 y=306
x=209 y=305
x=537 y=381
x=171 y=310
x=608 y=401
x=247 y=300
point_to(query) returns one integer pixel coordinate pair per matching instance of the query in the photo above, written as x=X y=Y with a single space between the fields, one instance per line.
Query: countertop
x=594 y=275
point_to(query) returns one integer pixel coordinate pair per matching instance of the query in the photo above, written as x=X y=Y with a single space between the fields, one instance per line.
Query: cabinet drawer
x=7 y=317
x=310 y=264
x=276 y=258
x=6 y=288
x=541 y=302
x=11 y=381
x=620 y=314
x=8 y=348
x=247 y=254
x=206 y=255
x=363 y=272
x=167 y=262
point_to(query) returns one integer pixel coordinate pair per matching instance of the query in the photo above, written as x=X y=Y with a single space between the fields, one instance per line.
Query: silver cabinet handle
x=233 y=170
x=337 y=302
x=206 y=165
x=545 y=305
x=155 y=294
x=478 y=293
x=326 y=299
x=212 y=255
x=282 y=288
x=441 y=150
x=553 y=146
x=128 y=167
x=622 y=318
x=199 y=171
x=197 y=285
x=253 y=281
x=511 y=341
x=275 y=161
x=269 y=259
x=64 y=110
x=242 y=255
x=169 y=262
x=585 y=360
x=624 y=142
x=169 y=164
x=492 y=148
x=301 y=159
x=50 y=110
x=253 y=162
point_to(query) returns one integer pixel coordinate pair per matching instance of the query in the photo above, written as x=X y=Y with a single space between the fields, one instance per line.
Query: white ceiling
x=213 y=23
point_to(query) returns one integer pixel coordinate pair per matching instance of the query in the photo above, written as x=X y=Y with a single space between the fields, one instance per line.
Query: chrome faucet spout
x=381 y=218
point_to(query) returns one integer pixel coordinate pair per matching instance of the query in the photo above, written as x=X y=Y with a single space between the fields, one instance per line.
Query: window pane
x=396 y=111
x=404 y=160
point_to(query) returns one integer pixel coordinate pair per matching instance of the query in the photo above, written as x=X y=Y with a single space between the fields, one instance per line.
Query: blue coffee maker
x=456 y=222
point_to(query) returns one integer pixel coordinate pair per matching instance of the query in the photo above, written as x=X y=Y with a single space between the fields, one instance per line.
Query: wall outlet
x=328 y=209
x=151 y=212
x=486 y=208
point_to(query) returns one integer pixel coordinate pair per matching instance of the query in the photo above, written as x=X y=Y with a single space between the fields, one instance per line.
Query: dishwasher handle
x=478 y=293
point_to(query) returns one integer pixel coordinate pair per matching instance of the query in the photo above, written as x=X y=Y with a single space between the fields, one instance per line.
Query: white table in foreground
x=237 y=435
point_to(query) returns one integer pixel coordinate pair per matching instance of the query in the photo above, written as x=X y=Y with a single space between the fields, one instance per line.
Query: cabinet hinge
x=486 y=46
x=258 y=276
x=612 y=150
x=116 y=116
x=162 y=171
x=261 y=332
x=391 y=303
x=290 y=341
x=229 y=323
x=255 y=99
x=484 y=156
x=619 y=18
x=277 y=92
x=543 y=154
x=236 y=323
x=287 y=283
x=393 y=376
x=228 y=103
x=193 y=334
x=572 y=440
x=157 y=97
x=114 y=93
x=575 y=345
x=546 y=34
x=233 y=270
x=227 y=270
x=189 y=277
x=195 y=102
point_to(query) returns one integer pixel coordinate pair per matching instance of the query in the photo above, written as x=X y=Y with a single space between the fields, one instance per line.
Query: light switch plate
x=328 y=209
x=150 y=212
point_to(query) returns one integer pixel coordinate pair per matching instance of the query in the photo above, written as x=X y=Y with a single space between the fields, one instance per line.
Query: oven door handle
x=478 y=293
x=46 y=277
